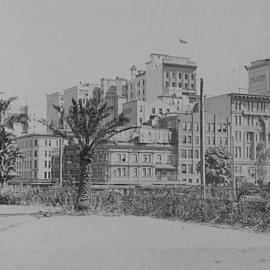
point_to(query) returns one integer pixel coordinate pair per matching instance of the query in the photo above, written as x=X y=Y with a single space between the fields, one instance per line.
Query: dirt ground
x=29 y=241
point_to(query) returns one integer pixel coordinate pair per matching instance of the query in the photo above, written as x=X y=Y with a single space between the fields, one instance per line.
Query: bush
x=56 y=196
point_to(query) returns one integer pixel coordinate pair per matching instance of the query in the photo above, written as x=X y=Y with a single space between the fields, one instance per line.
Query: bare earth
x=116 y=243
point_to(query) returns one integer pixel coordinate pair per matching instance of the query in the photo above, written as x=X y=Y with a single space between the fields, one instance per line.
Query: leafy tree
x=9 y=152
x=88 y=127
x=218 y=166
x=262 y=156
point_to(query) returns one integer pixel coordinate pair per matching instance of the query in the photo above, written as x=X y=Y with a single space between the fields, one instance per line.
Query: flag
x=182 y=41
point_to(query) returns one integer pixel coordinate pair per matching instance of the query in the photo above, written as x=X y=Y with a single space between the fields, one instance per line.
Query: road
x=123 y=243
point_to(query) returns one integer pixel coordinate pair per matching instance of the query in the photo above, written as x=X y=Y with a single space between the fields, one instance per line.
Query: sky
x=47 y=46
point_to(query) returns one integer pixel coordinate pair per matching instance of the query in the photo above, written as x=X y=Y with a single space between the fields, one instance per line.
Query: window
x=184 y=180
x=186 y=76
x=45 y=142
x=141 y=109
x=208 y=127
x=190 y=168
x=135 y=172
x=219 y=127
x=144 y=172
x=180 y=85
x=160 y=110
x=188 y=125
x=49 y=164
x=50 y=142
x=45 y=163
x=45 y=175
x=197 y=153
x=220 y=140
x=184 y=139
x=153 y=110
x=184 y=153
x=149 y=172
x=180 y=76
x=190 y=153
x=140 y=121
x=184 y=126
x=45 y=154
x=190 y=180
x=35 y=164
x=35 y=153
x=36 y=142
x=197 y=126
x=197 y=141
x=224 y=128
x=184 y=168
x=49 y=175
x=159 y=159
x=213 y=142
x=189 y=139
x=134 y=157
x=167 y=74
x=186 y=86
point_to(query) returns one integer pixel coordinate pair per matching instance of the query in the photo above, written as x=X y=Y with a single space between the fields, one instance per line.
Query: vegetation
x=262 y=155
x=9 y=152
x=88 y=127
x=218 y=166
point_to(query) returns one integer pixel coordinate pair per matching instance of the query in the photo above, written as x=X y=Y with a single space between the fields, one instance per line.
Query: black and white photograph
x=134 y=135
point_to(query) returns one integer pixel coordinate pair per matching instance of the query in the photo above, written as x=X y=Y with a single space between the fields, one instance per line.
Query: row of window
x=160 y=111
x=180 y=85
x=31 y=143
x=187 y=168
x=146 y=158
x=188 y=153
x=174 y=75
x=134 y=172
x=189 y=180
x=210 y=127
x=238 y=105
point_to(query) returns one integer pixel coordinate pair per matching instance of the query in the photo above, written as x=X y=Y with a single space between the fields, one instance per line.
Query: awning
x=164 y=167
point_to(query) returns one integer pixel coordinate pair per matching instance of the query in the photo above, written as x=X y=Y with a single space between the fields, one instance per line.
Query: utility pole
x=60 y=163
x=202 y=141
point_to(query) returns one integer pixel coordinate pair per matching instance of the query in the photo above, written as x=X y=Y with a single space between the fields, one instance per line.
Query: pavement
x=116 y=243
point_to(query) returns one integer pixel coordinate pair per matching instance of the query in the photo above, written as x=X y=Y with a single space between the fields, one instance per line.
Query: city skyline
x=49 y=46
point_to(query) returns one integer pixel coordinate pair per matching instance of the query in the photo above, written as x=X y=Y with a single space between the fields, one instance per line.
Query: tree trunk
x=84 y=184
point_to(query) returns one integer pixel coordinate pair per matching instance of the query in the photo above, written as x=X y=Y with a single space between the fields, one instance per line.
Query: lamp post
x=202 y=141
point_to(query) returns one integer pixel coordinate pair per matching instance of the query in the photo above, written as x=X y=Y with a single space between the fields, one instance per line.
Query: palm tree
x=9 y=152
x=89 y=127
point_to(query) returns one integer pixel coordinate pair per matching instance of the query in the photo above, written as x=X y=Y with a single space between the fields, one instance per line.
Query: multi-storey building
x=170 y=75
x=259 y=77
x=142 y=156
x=33 y=126
x=82 y=91
x=37 y=149
x=249 y=125
x=187 y=135
x=54 y=99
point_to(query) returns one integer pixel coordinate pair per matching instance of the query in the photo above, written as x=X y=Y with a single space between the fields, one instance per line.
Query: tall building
x=33 y=126
x=53 y=117
x=259 y=77
x=187 y=136
x=81 y=91
x=170 y=76
x=37 y=149
x=249 y=125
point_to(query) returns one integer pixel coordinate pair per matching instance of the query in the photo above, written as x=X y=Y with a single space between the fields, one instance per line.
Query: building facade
x=54 y=99
x=249 y=126
x=259 y=77
x=37 y=150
